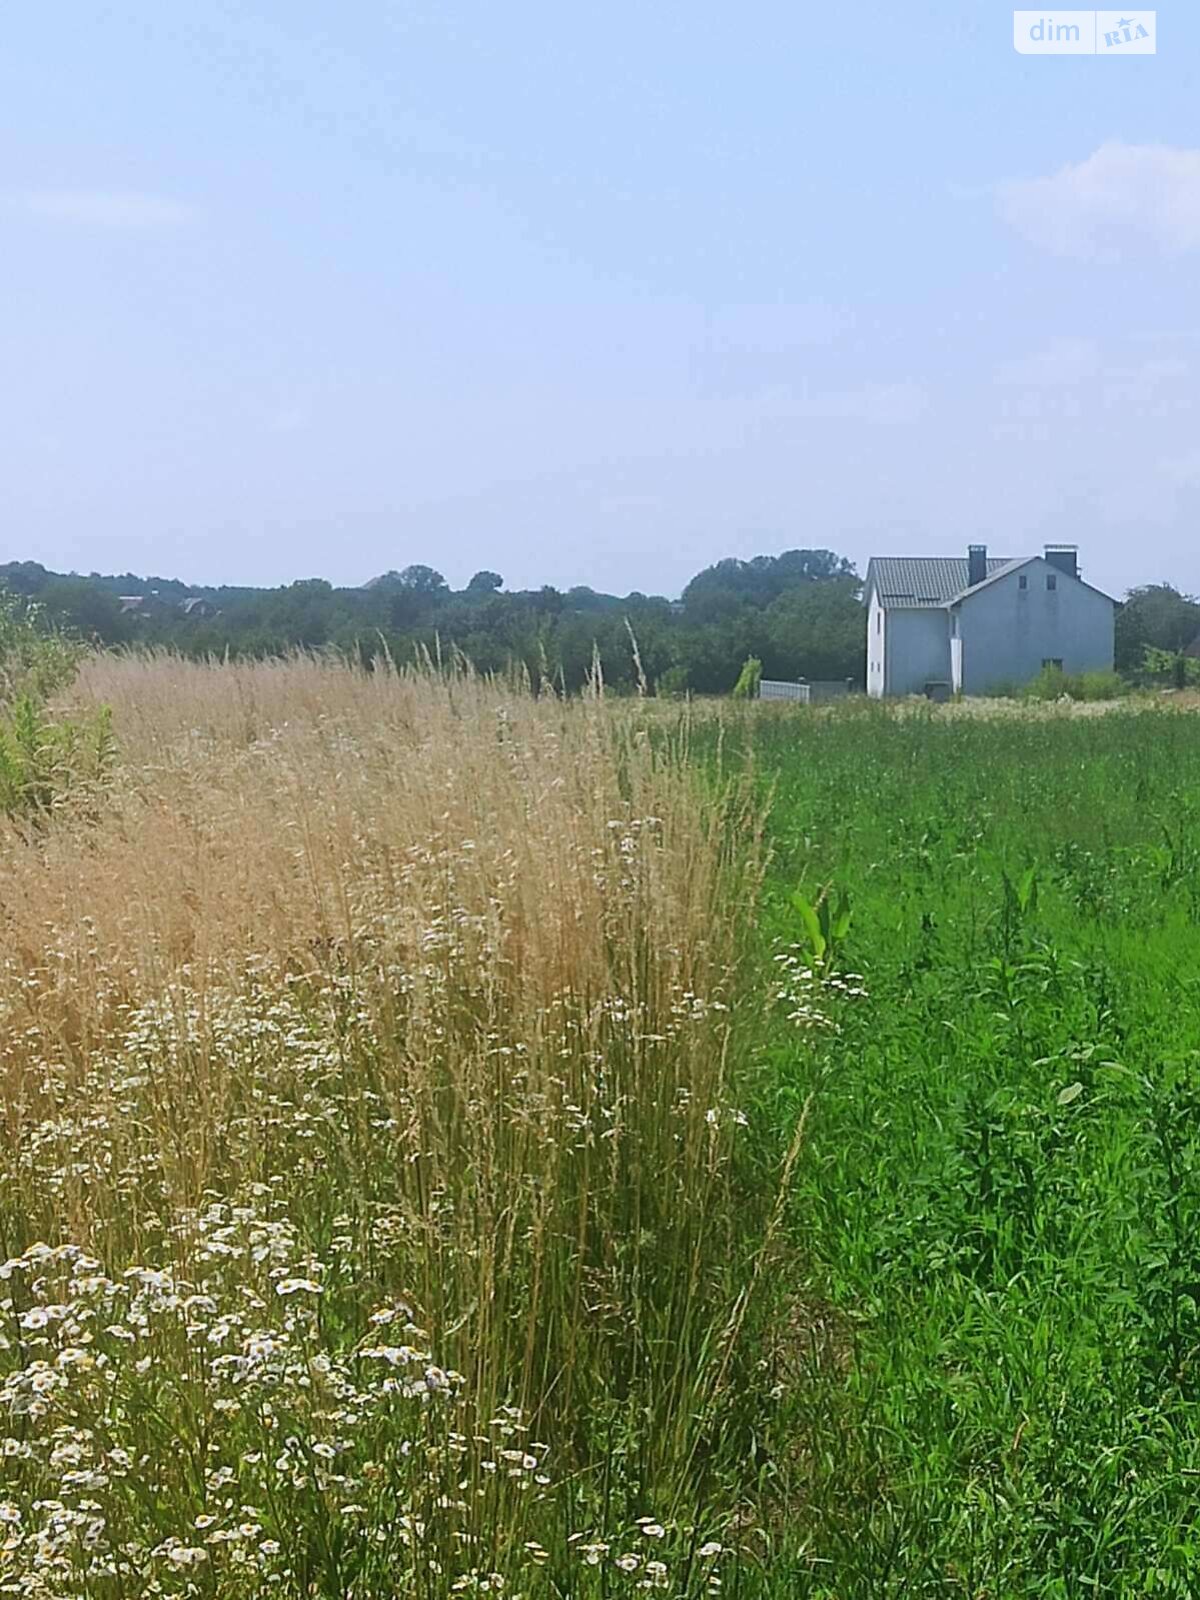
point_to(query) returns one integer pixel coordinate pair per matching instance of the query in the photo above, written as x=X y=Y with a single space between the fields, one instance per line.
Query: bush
x=42 y=757
x=746 y=688
x=1171 y=667
x=1052 y=683
x=35 y=659
x=673 y=683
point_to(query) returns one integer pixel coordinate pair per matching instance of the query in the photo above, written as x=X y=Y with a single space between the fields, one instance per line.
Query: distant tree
x=422 y=580
x=818 y=631
x=86 y=609
x=1158 y=616
x=485 y=583
x=730 y=585
x=811 y=566
x=24 y=577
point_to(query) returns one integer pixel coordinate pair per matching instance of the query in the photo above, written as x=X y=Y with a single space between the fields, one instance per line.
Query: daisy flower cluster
x=810 y=994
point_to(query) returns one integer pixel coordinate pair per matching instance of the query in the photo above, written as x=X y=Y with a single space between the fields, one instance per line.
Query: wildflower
x=182 y=1555
x=288 y=1286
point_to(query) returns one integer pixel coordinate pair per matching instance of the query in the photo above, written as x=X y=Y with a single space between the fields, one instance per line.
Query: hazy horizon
x=592 y=298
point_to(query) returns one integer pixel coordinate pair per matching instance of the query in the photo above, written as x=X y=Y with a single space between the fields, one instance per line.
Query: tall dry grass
x=369 y=1175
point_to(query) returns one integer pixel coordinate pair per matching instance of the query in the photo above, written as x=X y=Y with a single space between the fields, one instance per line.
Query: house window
x=1022 y=582
x=879 y=622
x=1054 y=663
x=1052 y=580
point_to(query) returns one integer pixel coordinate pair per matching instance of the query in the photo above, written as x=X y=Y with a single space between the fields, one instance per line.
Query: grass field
x=453 y=1143
x=1000 y=1190
x=372 y=1213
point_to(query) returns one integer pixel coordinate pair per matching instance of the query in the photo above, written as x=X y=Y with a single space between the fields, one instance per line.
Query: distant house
x=145 y=606
x=942 y=625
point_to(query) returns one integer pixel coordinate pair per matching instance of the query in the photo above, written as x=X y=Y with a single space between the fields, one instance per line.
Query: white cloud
x=102 y=208
x=1123 y=198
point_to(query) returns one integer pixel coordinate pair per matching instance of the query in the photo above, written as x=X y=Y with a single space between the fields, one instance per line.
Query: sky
x=591 y=294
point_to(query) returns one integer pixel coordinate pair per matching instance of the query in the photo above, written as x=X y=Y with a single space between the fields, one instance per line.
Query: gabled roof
x=1002 y=571
x=1024 y=561
x=925 y=580
x=930 y=581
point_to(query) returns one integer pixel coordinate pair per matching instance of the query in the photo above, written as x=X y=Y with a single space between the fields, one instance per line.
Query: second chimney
x=1065 y=557
x=976 y=564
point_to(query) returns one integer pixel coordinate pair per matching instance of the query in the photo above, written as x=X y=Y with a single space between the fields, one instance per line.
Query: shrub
x=43 y=758
x=35 y=659
x=746 y=688
x=1171 y=667
x=1052 y=683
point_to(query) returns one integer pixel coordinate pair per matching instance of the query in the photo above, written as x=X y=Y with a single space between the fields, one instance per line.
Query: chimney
x=1065 y=557
x=976 y=564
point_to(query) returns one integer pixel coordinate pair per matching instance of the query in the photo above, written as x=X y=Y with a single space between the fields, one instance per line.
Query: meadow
x=460 y=1142
x=999 y=1194
x=373 y=1219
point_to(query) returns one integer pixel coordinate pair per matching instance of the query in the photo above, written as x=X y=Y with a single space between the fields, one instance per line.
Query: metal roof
x=924 y=580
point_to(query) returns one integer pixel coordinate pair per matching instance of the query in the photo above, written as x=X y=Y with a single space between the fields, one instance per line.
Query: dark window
x=1052 y=661
x=1023 y=582
x=879 y=622
x=1052 y=580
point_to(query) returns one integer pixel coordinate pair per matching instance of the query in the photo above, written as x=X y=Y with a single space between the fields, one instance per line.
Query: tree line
x=799 y=613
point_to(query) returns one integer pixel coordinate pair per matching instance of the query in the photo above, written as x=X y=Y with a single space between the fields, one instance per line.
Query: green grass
x=999 y=1193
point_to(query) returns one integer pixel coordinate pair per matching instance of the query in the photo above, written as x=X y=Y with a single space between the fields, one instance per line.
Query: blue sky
x=592 y=293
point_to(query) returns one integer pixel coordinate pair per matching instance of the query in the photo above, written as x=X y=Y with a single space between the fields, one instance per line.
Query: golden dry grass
x=428 y=982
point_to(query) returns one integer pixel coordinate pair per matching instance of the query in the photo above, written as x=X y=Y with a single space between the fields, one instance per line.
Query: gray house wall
x=916 y=648
x=1008 y=632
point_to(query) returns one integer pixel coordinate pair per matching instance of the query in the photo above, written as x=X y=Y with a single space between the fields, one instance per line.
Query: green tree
x=484 y=583
x=1158 y=616
x=86 y=609
x=419 y=579
x=817 y=631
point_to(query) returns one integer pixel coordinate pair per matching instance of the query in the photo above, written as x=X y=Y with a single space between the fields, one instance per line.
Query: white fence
x=805 y=692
